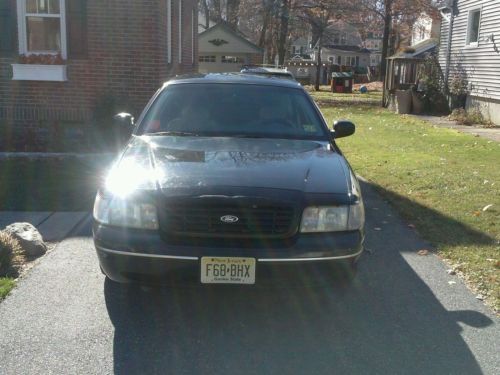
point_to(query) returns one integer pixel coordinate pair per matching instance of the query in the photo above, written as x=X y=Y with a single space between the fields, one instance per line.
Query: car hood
x=197 y=162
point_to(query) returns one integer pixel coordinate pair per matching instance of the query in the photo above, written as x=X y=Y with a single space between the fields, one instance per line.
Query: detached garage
x=222 y=49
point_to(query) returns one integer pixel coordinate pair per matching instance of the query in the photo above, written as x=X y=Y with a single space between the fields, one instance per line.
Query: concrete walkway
x=53 y=226
x=403 y=314
x=442 y=122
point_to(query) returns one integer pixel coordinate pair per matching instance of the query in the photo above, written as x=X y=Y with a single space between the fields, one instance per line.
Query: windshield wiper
x=174 y=133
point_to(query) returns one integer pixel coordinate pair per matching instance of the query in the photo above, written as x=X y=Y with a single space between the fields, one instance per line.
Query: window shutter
x=76 y=25
x=8 y=27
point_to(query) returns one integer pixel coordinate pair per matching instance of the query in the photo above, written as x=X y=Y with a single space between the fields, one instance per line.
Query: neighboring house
x=342 y=33
x=93 y=52
x=473 y=51
x=346 y=55
x=222 y=49
x=342 y=45
x=300 y=49
x=426 y=26
x=373 y=43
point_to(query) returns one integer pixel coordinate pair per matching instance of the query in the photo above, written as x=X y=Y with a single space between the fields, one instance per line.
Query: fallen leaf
x=451 y=272
x=487 y=207
x=412 y=226
x=452 y=282
x=423 y=252
x=476 y=213
x=377 y=228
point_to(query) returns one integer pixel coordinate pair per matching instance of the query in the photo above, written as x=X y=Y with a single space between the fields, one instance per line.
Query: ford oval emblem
x=229 y=219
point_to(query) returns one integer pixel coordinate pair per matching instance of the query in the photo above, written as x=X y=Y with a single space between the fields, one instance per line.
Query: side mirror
x=124 y=119
x=343 y=128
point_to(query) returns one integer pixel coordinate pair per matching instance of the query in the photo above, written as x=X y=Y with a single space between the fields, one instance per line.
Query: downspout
x=448 y=48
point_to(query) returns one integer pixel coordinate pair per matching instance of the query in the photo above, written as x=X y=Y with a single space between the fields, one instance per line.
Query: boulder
x=29 y=238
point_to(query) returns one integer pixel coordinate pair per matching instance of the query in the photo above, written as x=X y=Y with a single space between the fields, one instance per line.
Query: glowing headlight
x=128 y=176
x=332 y=219
x=113 y=210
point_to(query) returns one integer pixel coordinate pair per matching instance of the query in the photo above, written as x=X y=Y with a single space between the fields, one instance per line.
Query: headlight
x=112 y=210
x=333 y=219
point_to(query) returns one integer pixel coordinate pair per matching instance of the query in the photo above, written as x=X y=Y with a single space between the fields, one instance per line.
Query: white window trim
x=169 y=31
x=22 y=34
x=468 y=43
x=180 y=31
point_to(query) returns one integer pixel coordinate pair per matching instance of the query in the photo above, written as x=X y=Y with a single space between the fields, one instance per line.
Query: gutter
x=448 y=48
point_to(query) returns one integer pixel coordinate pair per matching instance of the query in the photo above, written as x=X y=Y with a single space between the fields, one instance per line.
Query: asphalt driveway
x=403 y=314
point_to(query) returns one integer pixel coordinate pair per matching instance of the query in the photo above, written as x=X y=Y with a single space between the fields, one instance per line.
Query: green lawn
x=6 y=285
x=438 y=179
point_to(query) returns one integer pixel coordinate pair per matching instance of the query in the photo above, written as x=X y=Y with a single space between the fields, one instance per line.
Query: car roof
x=266 y=70
x=233 y=78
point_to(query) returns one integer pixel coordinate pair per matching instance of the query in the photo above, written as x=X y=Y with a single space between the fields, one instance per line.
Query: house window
x=473 y=27
x=42 y=27
x=231 y=60
x=206 y=59
x=350 y=60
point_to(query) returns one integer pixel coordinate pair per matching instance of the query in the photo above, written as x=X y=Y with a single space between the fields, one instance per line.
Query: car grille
x=253 y=221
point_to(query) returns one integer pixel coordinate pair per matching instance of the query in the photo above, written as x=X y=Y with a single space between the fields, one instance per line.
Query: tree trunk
x=232 y=12
x=284 y=19
x=265 y=25
x=318 y=64
x=218 y=10
x=385 y=40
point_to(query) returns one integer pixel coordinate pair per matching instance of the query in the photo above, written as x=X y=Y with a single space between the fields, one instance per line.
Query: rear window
x=234 y=109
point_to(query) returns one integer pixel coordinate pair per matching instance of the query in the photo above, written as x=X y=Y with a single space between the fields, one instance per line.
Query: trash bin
x=403 y=100
x=416 y=103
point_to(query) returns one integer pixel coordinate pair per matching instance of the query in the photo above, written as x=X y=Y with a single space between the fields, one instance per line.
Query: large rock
x=29 y=238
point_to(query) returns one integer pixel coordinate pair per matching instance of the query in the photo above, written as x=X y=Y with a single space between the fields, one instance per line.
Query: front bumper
x=129 y=255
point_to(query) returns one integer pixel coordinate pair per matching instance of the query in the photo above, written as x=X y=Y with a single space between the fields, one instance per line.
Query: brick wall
x=126 y=63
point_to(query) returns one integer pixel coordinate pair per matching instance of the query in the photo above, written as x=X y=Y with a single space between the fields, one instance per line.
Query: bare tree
x=390 y=12
x=232 y=12
x=285 y=9
x=318 y=14
x=206 y=11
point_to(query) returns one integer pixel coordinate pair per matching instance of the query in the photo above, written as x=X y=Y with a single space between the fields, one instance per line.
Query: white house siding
x=481 y=63
x=327 y=53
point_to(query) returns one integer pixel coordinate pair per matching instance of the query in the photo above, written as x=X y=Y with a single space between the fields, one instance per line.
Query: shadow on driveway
x=387 y=321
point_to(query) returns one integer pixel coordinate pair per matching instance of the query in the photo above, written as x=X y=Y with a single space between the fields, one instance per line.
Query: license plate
x=227 y=270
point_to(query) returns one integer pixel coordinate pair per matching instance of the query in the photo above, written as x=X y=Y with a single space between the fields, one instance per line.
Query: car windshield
x=234 y=110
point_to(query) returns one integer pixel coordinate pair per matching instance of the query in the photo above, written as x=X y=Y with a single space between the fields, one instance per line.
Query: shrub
x=470 y=117
x=9 y=246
